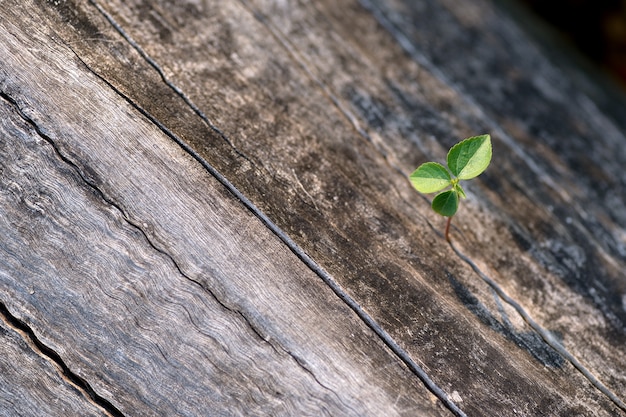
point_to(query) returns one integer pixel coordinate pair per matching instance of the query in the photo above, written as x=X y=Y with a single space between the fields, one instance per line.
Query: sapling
x=466 y=160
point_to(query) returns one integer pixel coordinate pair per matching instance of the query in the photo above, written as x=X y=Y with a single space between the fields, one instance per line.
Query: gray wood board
x=317 y=114
x=226 y=321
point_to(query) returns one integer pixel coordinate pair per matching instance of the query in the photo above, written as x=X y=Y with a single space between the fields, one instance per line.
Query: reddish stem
x=447 y=234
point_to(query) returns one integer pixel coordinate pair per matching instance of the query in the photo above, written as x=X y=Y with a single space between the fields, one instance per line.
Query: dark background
x=595 y=27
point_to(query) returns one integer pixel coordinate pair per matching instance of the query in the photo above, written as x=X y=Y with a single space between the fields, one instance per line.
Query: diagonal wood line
x=402 y=354
x=167 y=81
x=545 y=335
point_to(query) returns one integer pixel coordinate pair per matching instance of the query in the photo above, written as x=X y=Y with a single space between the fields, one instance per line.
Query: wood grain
x=234 y=324
x=316 y=113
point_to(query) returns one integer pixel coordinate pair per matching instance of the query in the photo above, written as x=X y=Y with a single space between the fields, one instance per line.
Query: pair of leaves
x=466 y=160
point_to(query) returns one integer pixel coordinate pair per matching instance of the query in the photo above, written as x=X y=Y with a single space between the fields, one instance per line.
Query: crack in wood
x=272 y=343
x=52 y=356
x=279 y=347
x=167 y=81
x=306 y=369
x=545 y=335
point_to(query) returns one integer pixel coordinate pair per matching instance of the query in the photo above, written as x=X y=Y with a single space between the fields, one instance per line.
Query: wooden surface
x=206 y=212
x=31 y=385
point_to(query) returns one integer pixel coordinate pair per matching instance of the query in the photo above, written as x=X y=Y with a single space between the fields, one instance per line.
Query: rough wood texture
x=127 y=127
x=29 y=384
x=230 y=321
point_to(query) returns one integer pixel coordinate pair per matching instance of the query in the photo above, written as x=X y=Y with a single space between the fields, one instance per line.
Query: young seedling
x=466 y=160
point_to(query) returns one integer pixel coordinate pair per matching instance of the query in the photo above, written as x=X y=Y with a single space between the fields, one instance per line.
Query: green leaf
x=470 y=157
x=446 y=203
x=430 y=177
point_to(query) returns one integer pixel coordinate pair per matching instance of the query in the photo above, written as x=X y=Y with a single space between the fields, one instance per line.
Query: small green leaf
x=446 y=203
x=470 y=157
x=430 y=177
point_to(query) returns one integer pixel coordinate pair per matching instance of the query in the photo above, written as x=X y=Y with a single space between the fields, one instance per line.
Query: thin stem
x=447 y=233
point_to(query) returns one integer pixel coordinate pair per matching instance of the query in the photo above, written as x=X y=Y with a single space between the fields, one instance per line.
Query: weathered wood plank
x=388 y=248
x=264 y=73
x=149 y=279
x=31 y=385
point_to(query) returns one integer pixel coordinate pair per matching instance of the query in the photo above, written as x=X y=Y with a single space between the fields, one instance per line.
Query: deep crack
x=45 y=351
